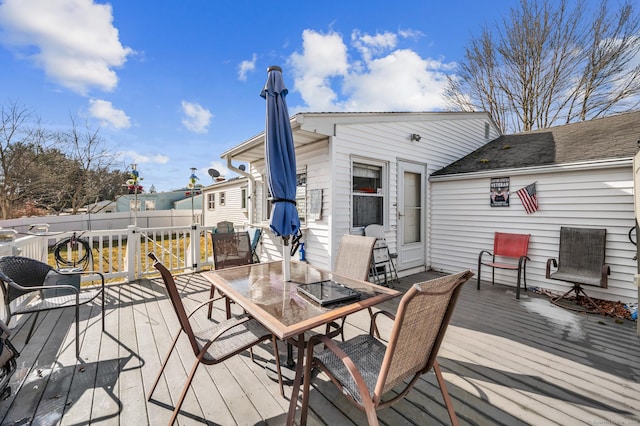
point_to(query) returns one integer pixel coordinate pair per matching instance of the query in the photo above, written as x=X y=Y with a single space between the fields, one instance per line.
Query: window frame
x=382 y=193
x=211 y=201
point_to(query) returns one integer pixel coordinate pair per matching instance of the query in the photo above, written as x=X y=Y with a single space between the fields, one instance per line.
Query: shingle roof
x=600 y=139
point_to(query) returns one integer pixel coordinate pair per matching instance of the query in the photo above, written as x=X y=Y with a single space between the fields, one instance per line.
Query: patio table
x=262 y=292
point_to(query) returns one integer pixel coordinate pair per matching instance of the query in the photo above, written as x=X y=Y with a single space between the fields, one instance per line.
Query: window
x=134 y=205
x=368 y=194
x=301 y=197
x=222 y=198
x=243 y=198
x=211 y=201
x=150 y=204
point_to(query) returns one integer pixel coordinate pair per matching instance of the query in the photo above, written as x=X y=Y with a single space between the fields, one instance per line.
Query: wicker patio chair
x=25 y=278
x=229 y=249
x=353 y=260
x=364 y=369
x=581 y=261
x=214 y=344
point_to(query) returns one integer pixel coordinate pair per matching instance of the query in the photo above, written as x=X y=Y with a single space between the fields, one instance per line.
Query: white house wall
x=315 y=160
x=443 y=140
x=463 y=223
x=232 y=210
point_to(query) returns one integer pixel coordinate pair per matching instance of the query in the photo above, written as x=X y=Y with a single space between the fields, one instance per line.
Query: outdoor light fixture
x=415 y=137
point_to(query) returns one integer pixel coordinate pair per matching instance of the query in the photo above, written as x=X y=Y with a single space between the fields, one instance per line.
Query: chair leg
x=77 y=330
x=212 y=293
x=445 y=393
x=33 y=325
x=184 y=392
x=276 y=354
x=164 y=364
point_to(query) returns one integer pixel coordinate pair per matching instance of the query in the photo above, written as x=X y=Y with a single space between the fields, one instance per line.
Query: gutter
x=585 y=165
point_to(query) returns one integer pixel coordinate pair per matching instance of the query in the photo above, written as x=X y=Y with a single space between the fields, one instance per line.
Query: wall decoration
x=499 y=194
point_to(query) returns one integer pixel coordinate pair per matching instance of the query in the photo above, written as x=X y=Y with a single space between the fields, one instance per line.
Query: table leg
x=293 y=404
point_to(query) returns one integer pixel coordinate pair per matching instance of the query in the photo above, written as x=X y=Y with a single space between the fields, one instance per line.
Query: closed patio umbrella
x=280 y=159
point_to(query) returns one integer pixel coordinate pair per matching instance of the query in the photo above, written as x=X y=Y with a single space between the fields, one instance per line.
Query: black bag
x=8 y=355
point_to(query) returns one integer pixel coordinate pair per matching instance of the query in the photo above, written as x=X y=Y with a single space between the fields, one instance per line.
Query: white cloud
x=197 y=118
x=137 y=158
x=245 y=67
x=108 y=115
x=73 y=41
x=373 y=75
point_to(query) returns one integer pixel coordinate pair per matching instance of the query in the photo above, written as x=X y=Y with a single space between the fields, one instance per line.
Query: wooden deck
x=506 y=362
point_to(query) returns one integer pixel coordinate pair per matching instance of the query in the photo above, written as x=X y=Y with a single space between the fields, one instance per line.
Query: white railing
x=121 y=254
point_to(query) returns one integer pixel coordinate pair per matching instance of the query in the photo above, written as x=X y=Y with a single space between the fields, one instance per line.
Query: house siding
x=232 y=210
x=442 y=141
x=463 y=223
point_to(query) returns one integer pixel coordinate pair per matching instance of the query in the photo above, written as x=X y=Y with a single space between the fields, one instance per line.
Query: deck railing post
x=193 y=253
x=132 y=258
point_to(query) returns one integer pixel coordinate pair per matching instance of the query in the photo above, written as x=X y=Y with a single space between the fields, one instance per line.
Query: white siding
x=442 y=142
x=232 y=210
x=463 y=223
x=315 y=160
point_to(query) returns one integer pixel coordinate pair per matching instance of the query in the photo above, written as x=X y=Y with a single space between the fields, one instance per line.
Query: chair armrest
x=606 y=270
x=483 y=252
x=374 y=318
x=522 y=261
x=549 y=263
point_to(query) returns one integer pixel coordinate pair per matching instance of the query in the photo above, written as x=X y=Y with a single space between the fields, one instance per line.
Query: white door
x=411 y=217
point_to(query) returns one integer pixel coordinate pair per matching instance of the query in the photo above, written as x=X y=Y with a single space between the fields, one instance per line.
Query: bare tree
x=549 y=63
x=20 y=136
x=90 y=164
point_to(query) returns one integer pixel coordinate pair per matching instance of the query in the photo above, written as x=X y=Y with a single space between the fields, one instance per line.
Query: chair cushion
x=367 y=354
x=44 y=304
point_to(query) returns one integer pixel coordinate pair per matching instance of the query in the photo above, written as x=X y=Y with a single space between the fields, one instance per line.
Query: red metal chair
x=511 y=252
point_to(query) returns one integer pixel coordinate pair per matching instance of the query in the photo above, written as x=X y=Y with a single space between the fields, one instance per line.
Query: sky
x=170 y=85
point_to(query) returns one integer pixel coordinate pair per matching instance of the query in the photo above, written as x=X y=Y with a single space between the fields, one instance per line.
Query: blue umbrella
x=281 y=160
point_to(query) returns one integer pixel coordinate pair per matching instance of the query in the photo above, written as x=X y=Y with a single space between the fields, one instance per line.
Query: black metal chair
x=23 y=277
x=229 y=249
x=581 y=261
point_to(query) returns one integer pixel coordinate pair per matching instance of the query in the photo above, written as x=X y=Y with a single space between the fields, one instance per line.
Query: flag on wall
x=528 y=197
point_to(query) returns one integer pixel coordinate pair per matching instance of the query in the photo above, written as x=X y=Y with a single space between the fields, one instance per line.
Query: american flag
x=528 y=197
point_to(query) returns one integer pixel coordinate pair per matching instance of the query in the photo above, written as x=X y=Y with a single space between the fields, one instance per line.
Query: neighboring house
x=155 y=201
x=584 y=178
x=227 y=200
x=106 y=206
x=355 y=169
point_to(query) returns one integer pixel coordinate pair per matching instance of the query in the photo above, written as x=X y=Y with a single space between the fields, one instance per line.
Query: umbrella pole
x=286 y=259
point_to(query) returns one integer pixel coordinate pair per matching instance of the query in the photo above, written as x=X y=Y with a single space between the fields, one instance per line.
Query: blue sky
x=173 y=84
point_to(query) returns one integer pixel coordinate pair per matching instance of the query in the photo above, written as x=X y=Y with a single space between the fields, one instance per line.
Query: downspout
x=252 y=197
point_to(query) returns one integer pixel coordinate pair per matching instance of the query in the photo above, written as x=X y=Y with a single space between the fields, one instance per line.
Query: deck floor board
x=506 y=361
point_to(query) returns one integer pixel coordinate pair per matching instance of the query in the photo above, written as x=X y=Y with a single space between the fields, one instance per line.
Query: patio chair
x=510 y=251
x=229 y=249
x=365 y=369
x=581 y=261
x=214 y=344
x=255 y=234
x=44 y=289
x=353 y=260
x=224 y=227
